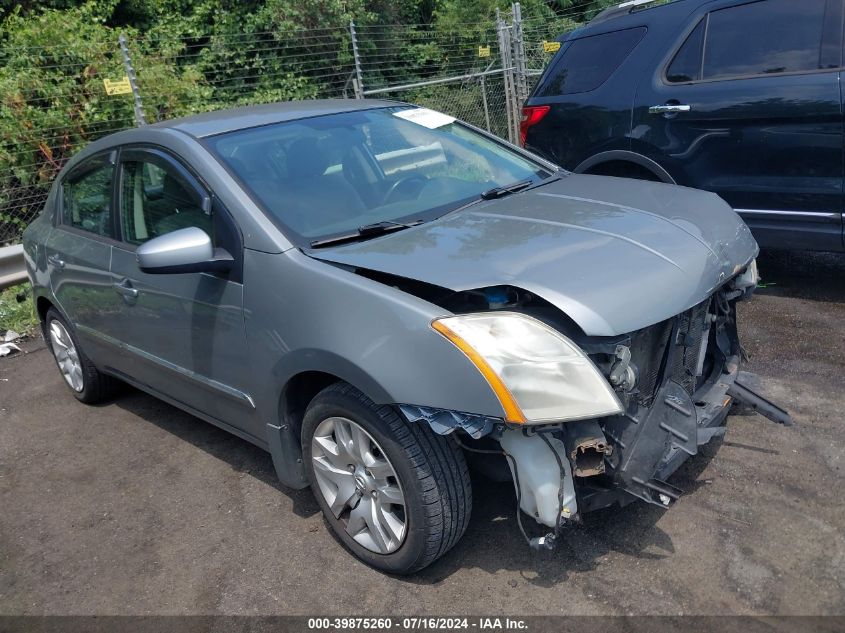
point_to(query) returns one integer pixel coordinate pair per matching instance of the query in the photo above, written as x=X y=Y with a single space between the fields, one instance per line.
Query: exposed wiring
x=515 y=480
x=560 y=487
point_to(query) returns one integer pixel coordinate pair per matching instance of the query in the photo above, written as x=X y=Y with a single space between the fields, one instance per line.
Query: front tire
x=85 y=381
x=395 y=493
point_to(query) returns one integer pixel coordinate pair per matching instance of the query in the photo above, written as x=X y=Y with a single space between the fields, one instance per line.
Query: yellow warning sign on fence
x=119 y=87
x=551 y=47
x=484 y=51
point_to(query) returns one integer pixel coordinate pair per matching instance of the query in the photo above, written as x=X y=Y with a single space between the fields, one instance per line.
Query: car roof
x=634 y=13
x=221 y=121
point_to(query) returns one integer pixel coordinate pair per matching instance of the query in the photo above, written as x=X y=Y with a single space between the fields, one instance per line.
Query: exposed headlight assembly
x=539 y=375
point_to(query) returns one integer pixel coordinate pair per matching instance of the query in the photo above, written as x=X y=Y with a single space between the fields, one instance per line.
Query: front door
x=184 y=333
x=747 y=105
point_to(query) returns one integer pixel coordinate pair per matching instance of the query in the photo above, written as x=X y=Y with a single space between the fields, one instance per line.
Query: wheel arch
x=42 y=305
x=302 y=375
x=624 y=157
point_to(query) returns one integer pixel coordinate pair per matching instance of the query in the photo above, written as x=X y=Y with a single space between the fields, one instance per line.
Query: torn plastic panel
x=444 y=422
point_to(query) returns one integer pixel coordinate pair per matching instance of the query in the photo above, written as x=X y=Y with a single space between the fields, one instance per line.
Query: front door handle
x=55 y=260
x=125 y=288
x=669 y=108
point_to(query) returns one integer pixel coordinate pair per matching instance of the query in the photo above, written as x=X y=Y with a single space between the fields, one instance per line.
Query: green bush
x=17 y=316
x=53 y=100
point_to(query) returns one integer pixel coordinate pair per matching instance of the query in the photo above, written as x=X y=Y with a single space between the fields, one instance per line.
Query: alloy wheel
x=359 y=484
x=66 y=355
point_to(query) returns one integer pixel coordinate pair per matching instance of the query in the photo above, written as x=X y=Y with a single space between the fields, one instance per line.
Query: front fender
x=307 y=315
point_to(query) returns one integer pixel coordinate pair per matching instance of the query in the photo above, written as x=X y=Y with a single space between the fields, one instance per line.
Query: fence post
x=358 y=82
x=507 y=73
x=519 y=63
x=484 y=101
x=130 y=73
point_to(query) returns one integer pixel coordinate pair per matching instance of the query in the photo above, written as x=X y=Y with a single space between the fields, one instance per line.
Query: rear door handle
x=56 y=261
x=125 y=288
x=669 y=108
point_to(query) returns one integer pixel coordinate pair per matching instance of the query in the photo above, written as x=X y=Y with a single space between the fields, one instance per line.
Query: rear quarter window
x=761 y=38
x=588 y=62
x=87 y=197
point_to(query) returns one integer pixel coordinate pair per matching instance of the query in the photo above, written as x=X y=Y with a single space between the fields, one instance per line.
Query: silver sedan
x=378 y=294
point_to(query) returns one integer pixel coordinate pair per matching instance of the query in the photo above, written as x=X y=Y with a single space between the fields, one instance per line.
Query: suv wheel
x=86 y=382
x=396 y=494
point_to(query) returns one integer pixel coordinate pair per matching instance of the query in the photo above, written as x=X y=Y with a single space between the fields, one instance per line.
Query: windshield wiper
x=365 y=231
x=501 y=192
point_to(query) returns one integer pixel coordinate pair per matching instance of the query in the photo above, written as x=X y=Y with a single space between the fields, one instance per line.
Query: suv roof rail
x=628 y=7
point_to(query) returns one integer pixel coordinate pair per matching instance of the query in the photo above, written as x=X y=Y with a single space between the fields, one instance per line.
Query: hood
x=614 y=254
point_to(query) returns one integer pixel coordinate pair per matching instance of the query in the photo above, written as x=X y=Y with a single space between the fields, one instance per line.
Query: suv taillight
x=530 y=116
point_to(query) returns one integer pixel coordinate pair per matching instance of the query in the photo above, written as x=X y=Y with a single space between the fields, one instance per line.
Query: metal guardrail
x=12 y=266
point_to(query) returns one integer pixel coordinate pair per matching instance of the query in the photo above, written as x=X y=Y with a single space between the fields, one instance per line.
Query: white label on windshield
x=425 y=117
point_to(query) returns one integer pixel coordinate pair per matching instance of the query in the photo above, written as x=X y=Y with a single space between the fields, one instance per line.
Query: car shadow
x=240 y=455
x=803 y=274
x=493 y=541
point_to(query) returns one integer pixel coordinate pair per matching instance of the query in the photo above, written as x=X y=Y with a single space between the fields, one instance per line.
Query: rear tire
x=429 y=472
x=84 y=380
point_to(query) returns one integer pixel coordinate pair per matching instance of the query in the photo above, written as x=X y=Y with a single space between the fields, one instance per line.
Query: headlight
x=538 y=374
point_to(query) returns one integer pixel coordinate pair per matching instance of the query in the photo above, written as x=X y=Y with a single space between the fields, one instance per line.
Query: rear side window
x=588 y=62
x=687 y=63
x=760 y=38
x=87 y=199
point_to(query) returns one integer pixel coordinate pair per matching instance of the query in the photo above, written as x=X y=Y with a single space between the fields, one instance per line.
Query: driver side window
x=155 y=201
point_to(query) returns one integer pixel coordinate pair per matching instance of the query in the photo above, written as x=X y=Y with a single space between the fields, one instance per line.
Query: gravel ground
x=134 y=507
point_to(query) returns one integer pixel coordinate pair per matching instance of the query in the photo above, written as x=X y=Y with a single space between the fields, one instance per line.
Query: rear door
x=747 y=104
x=79 y=253
x=182 y=334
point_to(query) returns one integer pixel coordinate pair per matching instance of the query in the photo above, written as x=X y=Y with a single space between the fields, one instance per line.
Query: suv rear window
x=587 y=62
x=760 y=38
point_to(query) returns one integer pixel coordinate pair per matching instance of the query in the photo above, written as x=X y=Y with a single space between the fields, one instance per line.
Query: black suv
x=736 y=97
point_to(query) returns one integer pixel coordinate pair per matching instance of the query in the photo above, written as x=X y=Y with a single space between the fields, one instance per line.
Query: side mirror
x=187 y=250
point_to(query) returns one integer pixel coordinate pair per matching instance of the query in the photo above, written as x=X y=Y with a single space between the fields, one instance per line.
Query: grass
x=19 y=317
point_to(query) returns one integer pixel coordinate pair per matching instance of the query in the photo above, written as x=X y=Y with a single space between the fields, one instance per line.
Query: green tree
x=53 y=100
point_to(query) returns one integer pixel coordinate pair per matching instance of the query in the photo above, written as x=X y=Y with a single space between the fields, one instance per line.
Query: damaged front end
x=674 y=382
x=685 y=367
x=685 y=376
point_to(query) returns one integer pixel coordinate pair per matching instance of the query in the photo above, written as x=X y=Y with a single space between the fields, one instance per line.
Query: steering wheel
x=401 y=182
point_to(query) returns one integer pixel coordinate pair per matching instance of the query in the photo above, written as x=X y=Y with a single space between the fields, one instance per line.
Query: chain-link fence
x=54 y=101
x=458 y=71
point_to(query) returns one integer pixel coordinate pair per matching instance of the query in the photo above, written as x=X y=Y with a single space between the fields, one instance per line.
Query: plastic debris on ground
x=8 y=348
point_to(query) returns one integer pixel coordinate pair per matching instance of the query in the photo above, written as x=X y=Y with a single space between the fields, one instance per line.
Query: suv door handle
x=56 y=261
x=125 y=288
x=669 y=108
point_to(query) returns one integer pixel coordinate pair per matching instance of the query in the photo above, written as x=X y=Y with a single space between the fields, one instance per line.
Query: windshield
x=329 y=175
